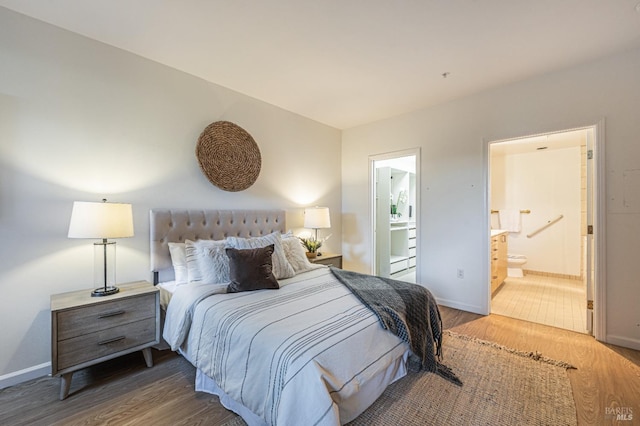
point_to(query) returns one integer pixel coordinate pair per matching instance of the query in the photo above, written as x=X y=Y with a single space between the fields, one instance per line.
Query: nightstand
x=88 y=330
x=329 y=259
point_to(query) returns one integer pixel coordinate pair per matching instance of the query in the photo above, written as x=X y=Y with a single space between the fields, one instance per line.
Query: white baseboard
x=21 y=376
x=462 y=306
x=625 y=342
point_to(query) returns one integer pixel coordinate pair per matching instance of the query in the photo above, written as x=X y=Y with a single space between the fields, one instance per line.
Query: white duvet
x=309 y=353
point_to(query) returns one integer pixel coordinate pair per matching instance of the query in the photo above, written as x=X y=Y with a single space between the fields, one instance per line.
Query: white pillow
x=207 y=262
x=179 y=261
x=296 y=255
x=281 y=266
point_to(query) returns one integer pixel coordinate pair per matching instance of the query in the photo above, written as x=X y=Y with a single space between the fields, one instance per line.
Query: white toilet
x=515 y=262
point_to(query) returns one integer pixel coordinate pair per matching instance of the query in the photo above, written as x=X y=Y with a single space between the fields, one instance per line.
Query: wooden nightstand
x=88 y=330
x=330 y=259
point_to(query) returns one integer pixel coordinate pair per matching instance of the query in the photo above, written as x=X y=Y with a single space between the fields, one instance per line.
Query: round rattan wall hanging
x=228 y=156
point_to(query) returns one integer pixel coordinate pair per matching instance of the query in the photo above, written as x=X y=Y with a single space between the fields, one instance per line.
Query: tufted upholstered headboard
x=174 y=225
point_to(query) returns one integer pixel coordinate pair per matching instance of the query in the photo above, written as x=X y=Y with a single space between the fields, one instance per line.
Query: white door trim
x=599 y=202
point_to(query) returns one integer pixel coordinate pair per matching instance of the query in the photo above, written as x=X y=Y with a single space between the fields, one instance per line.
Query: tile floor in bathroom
x=558 y=302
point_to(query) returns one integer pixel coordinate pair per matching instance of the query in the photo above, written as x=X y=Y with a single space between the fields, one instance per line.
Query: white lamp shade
x=317 y=217
x=101 y=220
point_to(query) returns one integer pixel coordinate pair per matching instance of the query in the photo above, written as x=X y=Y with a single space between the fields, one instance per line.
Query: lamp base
x=104 y=291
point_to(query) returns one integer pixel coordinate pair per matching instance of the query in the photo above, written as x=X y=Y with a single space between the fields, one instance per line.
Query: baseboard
x=21 y=376
x=461 y=306
x=625 y=342
x=553 y=275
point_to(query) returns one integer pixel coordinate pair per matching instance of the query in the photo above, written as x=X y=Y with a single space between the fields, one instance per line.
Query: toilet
x=514 y=265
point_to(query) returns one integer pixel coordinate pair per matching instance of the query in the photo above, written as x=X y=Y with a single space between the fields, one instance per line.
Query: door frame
x=372 y=203
x=599 y=221
x=599 y=235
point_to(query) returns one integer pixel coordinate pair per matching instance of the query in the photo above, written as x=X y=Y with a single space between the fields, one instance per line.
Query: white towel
x=510 y=220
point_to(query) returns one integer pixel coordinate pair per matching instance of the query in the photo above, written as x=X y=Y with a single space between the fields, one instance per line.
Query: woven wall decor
x=228 y=156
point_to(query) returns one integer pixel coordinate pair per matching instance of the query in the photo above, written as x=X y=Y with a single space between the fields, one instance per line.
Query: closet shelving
x=396 y=239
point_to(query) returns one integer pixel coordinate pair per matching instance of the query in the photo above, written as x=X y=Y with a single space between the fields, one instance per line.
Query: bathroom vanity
x=498 y=258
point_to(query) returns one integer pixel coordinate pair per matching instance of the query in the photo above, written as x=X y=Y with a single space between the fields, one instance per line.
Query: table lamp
x=103 y=221
x=317 y=218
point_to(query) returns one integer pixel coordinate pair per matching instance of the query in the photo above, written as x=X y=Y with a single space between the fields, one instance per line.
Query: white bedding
x=166 y=292
x=308 y=353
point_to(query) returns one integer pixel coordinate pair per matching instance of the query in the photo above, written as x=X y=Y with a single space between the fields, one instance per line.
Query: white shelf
x=394 y=258
x=394 y=233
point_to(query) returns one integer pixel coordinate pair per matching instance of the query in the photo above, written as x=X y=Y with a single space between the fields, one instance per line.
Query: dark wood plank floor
x=125 y=392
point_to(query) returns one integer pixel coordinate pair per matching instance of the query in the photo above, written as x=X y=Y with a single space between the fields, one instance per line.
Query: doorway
x=543 y=192
x=394 y=213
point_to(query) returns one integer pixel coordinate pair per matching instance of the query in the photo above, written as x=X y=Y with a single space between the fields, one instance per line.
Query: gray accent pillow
x=251 y=269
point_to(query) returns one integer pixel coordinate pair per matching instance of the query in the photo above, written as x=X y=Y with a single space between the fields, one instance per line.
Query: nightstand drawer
x=95 y=345
x=90 y=319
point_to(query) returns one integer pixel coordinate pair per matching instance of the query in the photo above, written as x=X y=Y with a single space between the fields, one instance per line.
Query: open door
x=381 y=234
x=591 y=216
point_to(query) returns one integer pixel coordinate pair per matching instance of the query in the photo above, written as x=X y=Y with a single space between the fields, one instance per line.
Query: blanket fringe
x=447 y=374
x=415 y=366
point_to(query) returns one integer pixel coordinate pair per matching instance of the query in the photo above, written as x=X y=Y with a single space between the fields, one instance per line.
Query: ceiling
x=547 y=142
x=350 y=62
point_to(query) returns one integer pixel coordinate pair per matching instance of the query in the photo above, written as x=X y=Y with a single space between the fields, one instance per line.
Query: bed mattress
x=308 y=353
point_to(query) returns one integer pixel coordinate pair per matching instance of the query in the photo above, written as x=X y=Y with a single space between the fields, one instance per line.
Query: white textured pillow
x=179 y=262
x=281 y=266
x=207 y=262
x=296 y=255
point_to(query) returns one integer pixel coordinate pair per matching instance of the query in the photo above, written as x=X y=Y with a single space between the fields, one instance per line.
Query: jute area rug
x=501 y=386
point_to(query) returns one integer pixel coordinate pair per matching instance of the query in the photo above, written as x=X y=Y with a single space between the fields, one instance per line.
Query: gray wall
x=453 y=211
x=79 y=121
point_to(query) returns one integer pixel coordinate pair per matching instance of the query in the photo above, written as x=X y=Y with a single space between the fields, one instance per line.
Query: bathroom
x=539 y=190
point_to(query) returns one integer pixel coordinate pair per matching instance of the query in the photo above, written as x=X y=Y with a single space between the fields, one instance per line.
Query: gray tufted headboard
x=169 y=225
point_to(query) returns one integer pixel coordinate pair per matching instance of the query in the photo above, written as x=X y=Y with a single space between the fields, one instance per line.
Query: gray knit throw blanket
x=407 y=310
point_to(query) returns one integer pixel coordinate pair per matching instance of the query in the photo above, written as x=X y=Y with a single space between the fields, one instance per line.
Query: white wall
x=547 y=183
x=454 y=211
x=80 y=120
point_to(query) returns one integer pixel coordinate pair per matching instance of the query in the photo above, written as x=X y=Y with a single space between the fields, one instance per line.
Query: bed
x=309 y=352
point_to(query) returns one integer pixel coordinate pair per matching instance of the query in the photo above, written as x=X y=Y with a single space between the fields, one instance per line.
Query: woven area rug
x=501 y=386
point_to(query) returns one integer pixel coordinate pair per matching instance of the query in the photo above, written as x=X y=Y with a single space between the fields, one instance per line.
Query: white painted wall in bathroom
x=547 y=183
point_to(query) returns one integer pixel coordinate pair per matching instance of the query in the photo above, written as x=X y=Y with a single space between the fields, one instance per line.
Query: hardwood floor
x=606 y=377
x=125 y=392
x=122 y=391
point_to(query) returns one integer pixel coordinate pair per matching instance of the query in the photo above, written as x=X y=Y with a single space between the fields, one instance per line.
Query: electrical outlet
x=461 y=274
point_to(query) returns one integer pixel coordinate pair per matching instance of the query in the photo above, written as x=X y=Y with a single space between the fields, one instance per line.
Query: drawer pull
x=115 y=339
x=111 y=314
